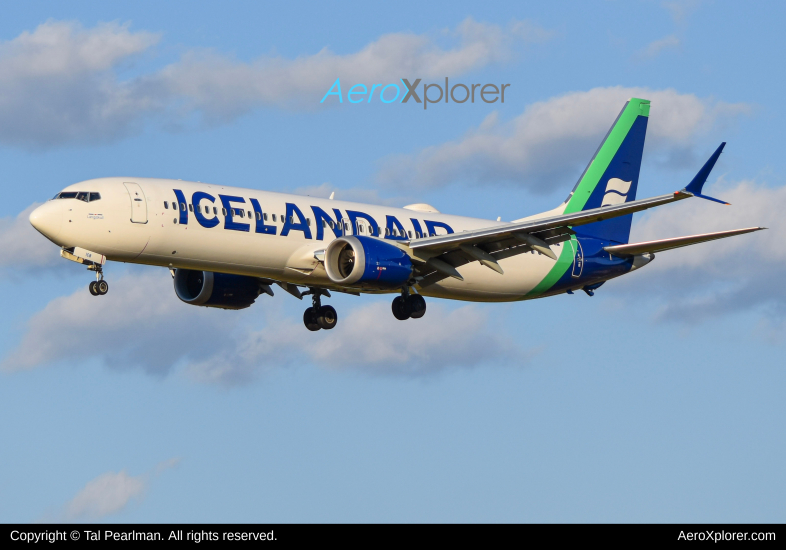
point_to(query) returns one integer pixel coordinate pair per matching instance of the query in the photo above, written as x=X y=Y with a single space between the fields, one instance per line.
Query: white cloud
x=736 y=274
x=59 y=83
x=157 y=333
x=680 y=10
x=369 y=339
x=657 y=46
x=107 y=494
x=110 y=493
x=24 y=248
x=221 y=88
x=555 y=138
x=139 y=324
x=372 y=340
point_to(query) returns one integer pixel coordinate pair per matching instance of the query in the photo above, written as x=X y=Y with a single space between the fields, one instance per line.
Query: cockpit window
x=80 y=195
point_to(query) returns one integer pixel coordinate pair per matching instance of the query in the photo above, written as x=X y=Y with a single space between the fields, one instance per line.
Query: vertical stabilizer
x=612 y=176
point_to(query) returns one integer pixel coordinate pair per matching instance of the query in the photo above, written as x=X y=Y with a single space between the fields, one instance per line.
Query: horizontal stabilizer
x=667 y=244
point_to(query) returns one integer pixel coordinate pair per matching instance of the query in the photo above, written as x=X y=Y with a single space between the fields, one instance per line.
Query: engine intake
x=222 y=290
x=366 y=261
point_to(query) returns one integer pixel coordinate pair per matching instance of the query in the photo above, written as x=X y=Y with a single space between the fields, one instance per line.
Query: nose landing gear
x=318 y=316
x=99 y=287
x=408 y=306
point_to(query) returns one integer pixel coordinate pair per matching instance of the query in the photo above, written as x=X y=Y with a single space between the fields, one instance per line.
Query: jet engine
x=222 y=290
x=367 y=262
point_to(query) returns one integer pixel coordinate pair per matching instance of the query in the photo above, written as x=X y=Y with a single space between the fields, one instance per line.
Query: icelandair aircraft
x=225 y=246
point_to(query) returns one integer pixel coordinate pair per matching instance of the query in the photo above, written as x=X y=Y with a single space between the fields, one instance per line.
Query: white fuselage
x=140 y=229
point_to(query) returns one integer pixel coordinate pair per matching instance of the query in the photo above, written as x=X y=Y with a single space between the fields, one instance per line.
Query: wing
x=438 y=257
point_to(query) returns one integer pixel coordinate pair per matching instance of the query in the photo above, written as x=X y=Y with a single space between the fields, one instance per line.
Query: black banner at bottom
x=276 y=534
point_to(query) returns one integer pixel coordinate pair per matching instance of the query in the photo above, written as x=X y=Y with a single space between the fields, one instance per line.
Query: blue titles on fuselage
x=322 y=218
x=181 y=205
x=200 y=217
x=289 y=222
x=229 y=220
x=260 y=215
x=432 y=227
x=394 y=229
x=354 y=216
x=294 y=220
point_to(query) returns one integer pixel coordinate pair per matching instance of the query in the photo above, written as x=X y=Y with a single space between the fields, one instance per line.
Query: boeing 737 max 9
x=225 y=246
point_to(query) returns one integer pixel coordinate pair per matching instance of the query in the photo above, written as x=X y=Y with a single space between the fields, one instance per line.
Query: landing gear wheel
x=327 y=317
x=416 y=305
x=310 y=320
x=400 y=308
x=93 y=286
x=102 y=287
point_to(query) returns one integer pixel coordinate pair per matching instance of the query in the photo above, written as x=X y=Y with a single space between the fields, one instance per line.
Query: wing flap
x=667 y=244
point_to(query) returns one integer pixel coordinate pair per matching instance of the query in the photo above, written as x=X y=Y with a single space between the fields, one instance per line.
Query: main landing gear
x=99 y=287
x=408 y=306
x=318 y=316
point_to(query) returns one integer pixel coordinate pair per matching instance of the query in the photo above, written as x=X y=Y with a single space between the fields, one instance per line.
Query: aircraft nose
x=47 y=219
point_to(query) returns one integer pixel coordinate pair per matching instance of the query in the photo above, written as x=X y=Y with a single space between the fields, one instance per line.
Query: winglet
x=698 y=181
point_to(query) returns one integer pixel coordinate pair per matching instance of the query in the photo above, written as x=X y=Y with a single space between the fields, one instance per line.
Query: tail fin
x=612 y=176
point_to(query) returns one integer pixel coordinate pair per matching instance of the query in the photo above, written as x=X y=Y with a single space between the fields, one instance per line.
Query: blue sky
x=659 y=399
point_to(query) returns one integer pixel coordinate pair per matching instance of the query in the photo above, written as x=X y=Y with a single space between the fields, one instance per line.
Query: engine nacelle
x=205 y=288
x=366 y=261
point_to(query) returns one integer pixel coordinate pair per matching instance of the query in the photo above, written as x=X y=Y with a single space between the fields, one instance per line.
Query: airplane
x=226 y=246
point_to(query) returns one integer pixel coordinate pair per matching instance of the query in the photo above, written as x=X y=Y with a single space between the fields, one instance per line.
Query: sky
x=660 y=399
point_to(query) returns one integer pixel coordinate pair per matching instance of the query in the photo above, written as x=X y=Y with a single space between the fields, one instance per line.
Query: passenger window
x=207 y=210
x=330 y=223
x=259 y=216
x=264 y=217
x=166 y=205
x=191 y=207
x=250 y=215
x=308 y=222
x=223 y=211
x=215 y=211
x=410 y=234
x=292 y=219
x=183 y=206
x=274 y=217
